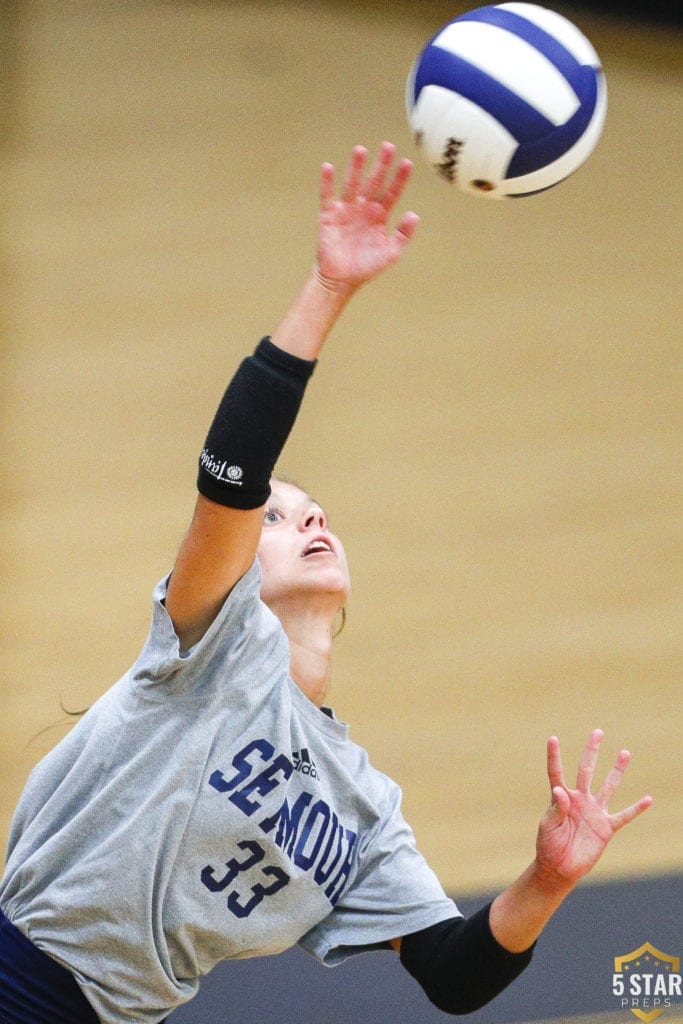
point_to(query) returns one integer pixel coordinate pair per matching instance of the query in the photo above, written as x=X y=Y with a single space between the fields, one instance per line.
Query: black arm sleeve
x=251 y=426
x=459 y=963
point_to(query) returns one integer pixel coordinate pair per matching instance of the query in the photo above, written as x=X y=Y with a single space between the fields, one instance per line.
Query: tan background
x=495 y=427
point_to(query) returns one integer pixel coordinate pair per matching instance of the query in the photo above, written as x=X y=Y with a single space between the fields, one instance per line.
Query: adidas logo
x=304 y=763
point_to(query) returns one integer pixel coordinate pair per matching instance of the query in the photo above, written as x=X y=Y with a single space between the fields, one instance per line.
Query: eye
x=272 y=515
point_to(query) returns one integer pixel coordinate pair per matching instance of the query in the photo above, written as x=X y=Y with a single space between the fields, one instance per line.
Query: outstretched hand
x=355 y=242
x=578 y=826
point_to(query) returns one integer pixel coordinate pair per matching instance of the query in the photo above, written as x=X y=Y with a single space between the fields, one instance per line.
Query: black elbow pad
x=251 y=426
x=459 y=964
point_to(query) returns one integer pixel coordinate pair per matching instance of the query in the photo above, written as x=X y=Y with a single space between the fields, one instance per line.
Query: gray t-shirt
x=205 y=809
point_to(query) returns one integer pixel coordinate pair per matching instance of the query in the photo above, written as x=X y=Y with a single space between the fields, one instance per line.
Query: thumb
x=406 y=227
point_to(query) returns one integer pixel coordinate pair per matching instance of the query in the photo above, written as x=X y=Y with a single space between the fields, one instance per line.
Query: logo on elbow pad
x=220 y=469
x=647 y=982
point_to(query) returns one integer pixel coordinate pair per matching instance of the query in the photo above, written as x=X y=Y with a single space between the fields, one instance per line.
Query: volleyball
x=506 y=100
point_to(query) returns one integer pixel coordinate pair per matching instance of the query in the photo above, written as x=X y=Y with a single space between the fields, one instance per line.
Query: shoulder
x=243 y=633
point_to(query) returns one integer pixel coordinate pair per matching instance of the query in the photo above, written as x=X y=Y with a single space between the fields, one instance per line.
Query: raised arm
x=253 y=421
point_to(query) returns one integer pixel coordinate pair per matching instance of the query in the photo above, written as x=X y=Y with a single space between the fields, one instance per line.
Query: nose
x=313 y=518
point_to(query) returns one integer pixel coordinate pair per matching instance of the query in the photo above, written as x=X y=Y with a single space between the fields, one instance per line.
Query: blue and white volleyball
x=506 y=100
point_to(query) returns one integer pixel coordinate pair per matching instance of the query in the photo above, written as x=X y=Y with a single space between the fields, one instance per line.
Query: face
x=299 y=555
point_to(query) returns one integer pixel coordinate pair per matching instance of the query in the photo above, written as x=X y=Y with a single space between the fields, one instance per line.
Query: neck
x=309 y=632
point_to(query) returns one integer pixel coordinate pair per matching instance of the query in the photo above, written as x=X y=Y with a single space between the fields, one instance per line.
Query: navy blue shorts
x=34 y=988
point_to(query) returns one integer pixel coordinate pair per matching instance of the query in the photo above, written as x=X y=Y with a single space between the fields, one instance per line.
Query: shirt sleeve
x=394 y=892
x=244 y=634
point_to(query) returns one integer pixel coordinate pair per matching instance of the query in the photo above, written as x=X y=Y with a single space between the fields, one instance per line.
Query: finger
x=406 y=227
x=588 y=762
x=614 y=777
x=397 y=186
x=629 y=813
x=377 y=176
x=560 y=802
x=326 y=186
x=354 y=173
x=554 y=760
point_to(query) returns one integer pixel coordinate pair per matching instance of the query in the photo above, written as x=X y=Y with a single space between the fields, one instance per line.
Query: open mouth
x=319 y=546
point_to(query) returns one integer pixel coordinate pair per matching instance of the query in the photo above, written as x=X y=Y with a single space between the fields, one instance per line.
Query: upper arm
x=217 y=550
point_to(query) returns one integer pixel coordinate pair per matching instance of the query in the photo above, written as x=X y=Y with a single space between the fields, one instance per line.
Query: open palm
x=355 y=242
x=578 y=826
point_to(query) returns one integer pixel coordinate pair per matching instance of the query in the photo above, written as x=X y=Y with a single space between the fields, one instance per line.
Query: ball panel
x=554 y=173
x=544 y=151
x=534 y=192
x=460 y=140
x=513 y=62
x=517 y=25
x=560 y=27
x=431 y=120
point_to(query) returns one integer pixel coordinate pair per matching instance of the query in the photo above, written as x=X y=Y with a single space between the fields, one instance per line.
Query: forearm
x=311 y=317
x=460 y=964
x=519 y=914
x=464 y=964
x=245 y=439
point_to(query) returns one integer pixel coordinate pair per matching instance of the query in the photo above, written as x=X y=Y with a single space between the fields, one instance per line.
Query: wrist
x=305 y=327
x=519 y=914
x=332 y=287
x=548 y=882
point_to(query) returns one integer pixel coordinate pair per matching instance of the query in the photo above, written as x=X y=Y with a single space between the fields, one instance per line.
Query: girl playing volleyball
x=209 y=806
